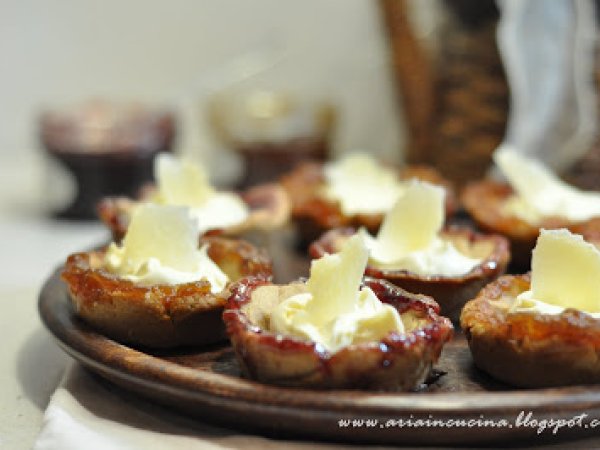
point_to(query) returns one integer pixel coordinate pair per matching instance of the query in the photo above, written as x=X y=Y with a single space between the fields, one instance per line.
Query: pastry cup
x=269 y=207
x=397 y=362
x=530 y=349
x=484 y=201
x=159 y=316
x=451 y=293
x=314 y=214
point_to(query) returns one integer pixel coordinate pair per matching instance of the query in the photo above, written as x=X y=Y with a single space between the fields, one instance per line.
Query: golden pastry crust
x=530 y=349
x=451 y=293
x=269 y=207
x=315 y=214
x=397 y=362
x=159 y=316
x=484 y=201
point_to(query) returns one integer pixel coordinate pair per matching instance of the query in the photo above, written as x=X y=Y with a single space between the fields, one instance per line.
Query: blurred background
x=90 y=91
x=175 y=56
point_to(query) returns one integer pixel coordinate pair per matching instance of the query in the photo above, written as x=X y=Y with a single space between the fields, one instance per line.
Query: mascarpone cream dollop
x=539 y=193
x=361 y=185
x=161 y=247
x=565 y=273
x=409 y=236
x=182 y=182
x=334 y=312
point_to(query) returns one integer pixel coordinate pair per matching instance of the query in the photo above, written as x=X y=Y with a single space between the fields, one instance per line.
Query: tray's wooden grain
x=206 y=383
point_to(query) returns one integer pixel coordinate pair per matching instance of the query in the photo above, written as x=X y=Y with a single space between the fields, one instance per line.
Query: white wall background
x=174 y=52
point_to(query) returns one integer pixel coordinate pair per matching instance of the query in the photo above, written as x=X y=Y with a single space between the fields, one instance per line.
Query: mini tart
x=269 y=207
x=397 y=362
x=450 y=292
x=315 y=214
x=484 y=201
x=159 y=316
x=530 y=349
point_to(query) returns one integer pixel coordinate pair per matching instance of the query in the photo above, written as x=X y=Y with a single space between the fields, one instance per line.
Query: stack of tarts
x=336 y=331
x=160 y=286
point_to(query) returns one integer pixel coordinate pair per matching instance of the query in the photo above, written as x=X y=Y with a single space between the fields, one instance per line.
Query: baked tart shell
x=530 y=349
x=159 y=316
x=397 y=362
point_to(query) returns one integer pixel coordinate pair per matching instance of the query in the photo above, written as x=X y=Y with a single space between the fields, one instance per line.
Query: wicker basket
x=455 y=97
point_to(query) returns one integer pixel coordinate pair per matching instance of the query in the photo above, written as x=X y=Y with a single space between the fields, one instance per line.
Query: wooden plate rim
x=99 y=351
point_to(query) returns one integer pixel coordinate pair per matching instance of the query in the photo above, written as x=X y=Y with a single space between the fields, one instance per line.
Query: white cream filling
x=152 y=271
x=161 y=247
x=221 y=210
x=565 y=273
x=539 y=193
x=525 y=303
x=184 y=183
x=409 y=236
x=334 y=312
x=361 y=185
x=440 y=257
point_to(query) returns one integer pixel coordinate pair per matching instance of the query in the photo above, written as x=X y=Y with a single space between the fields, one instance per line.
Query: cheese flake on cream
x=565 y=273
x=361 y=185
x=161 y=247
x=184 y=183
x=540 y=193
x=334 y=312
x=409 y=236
x=181 y=182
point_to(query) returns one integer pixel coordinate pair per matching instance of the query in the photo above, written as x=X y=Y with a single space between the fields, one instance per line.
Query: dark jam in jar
x=108 y=148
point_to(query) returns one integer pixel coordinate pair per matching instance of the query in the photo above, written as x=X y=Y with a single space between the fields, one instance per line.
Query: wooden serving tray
x=206 y=383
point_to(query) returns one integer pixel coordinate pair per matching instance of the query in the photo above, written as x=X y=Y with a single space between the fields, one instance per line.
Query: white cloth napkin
x=548 y=50
x=88 y=413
